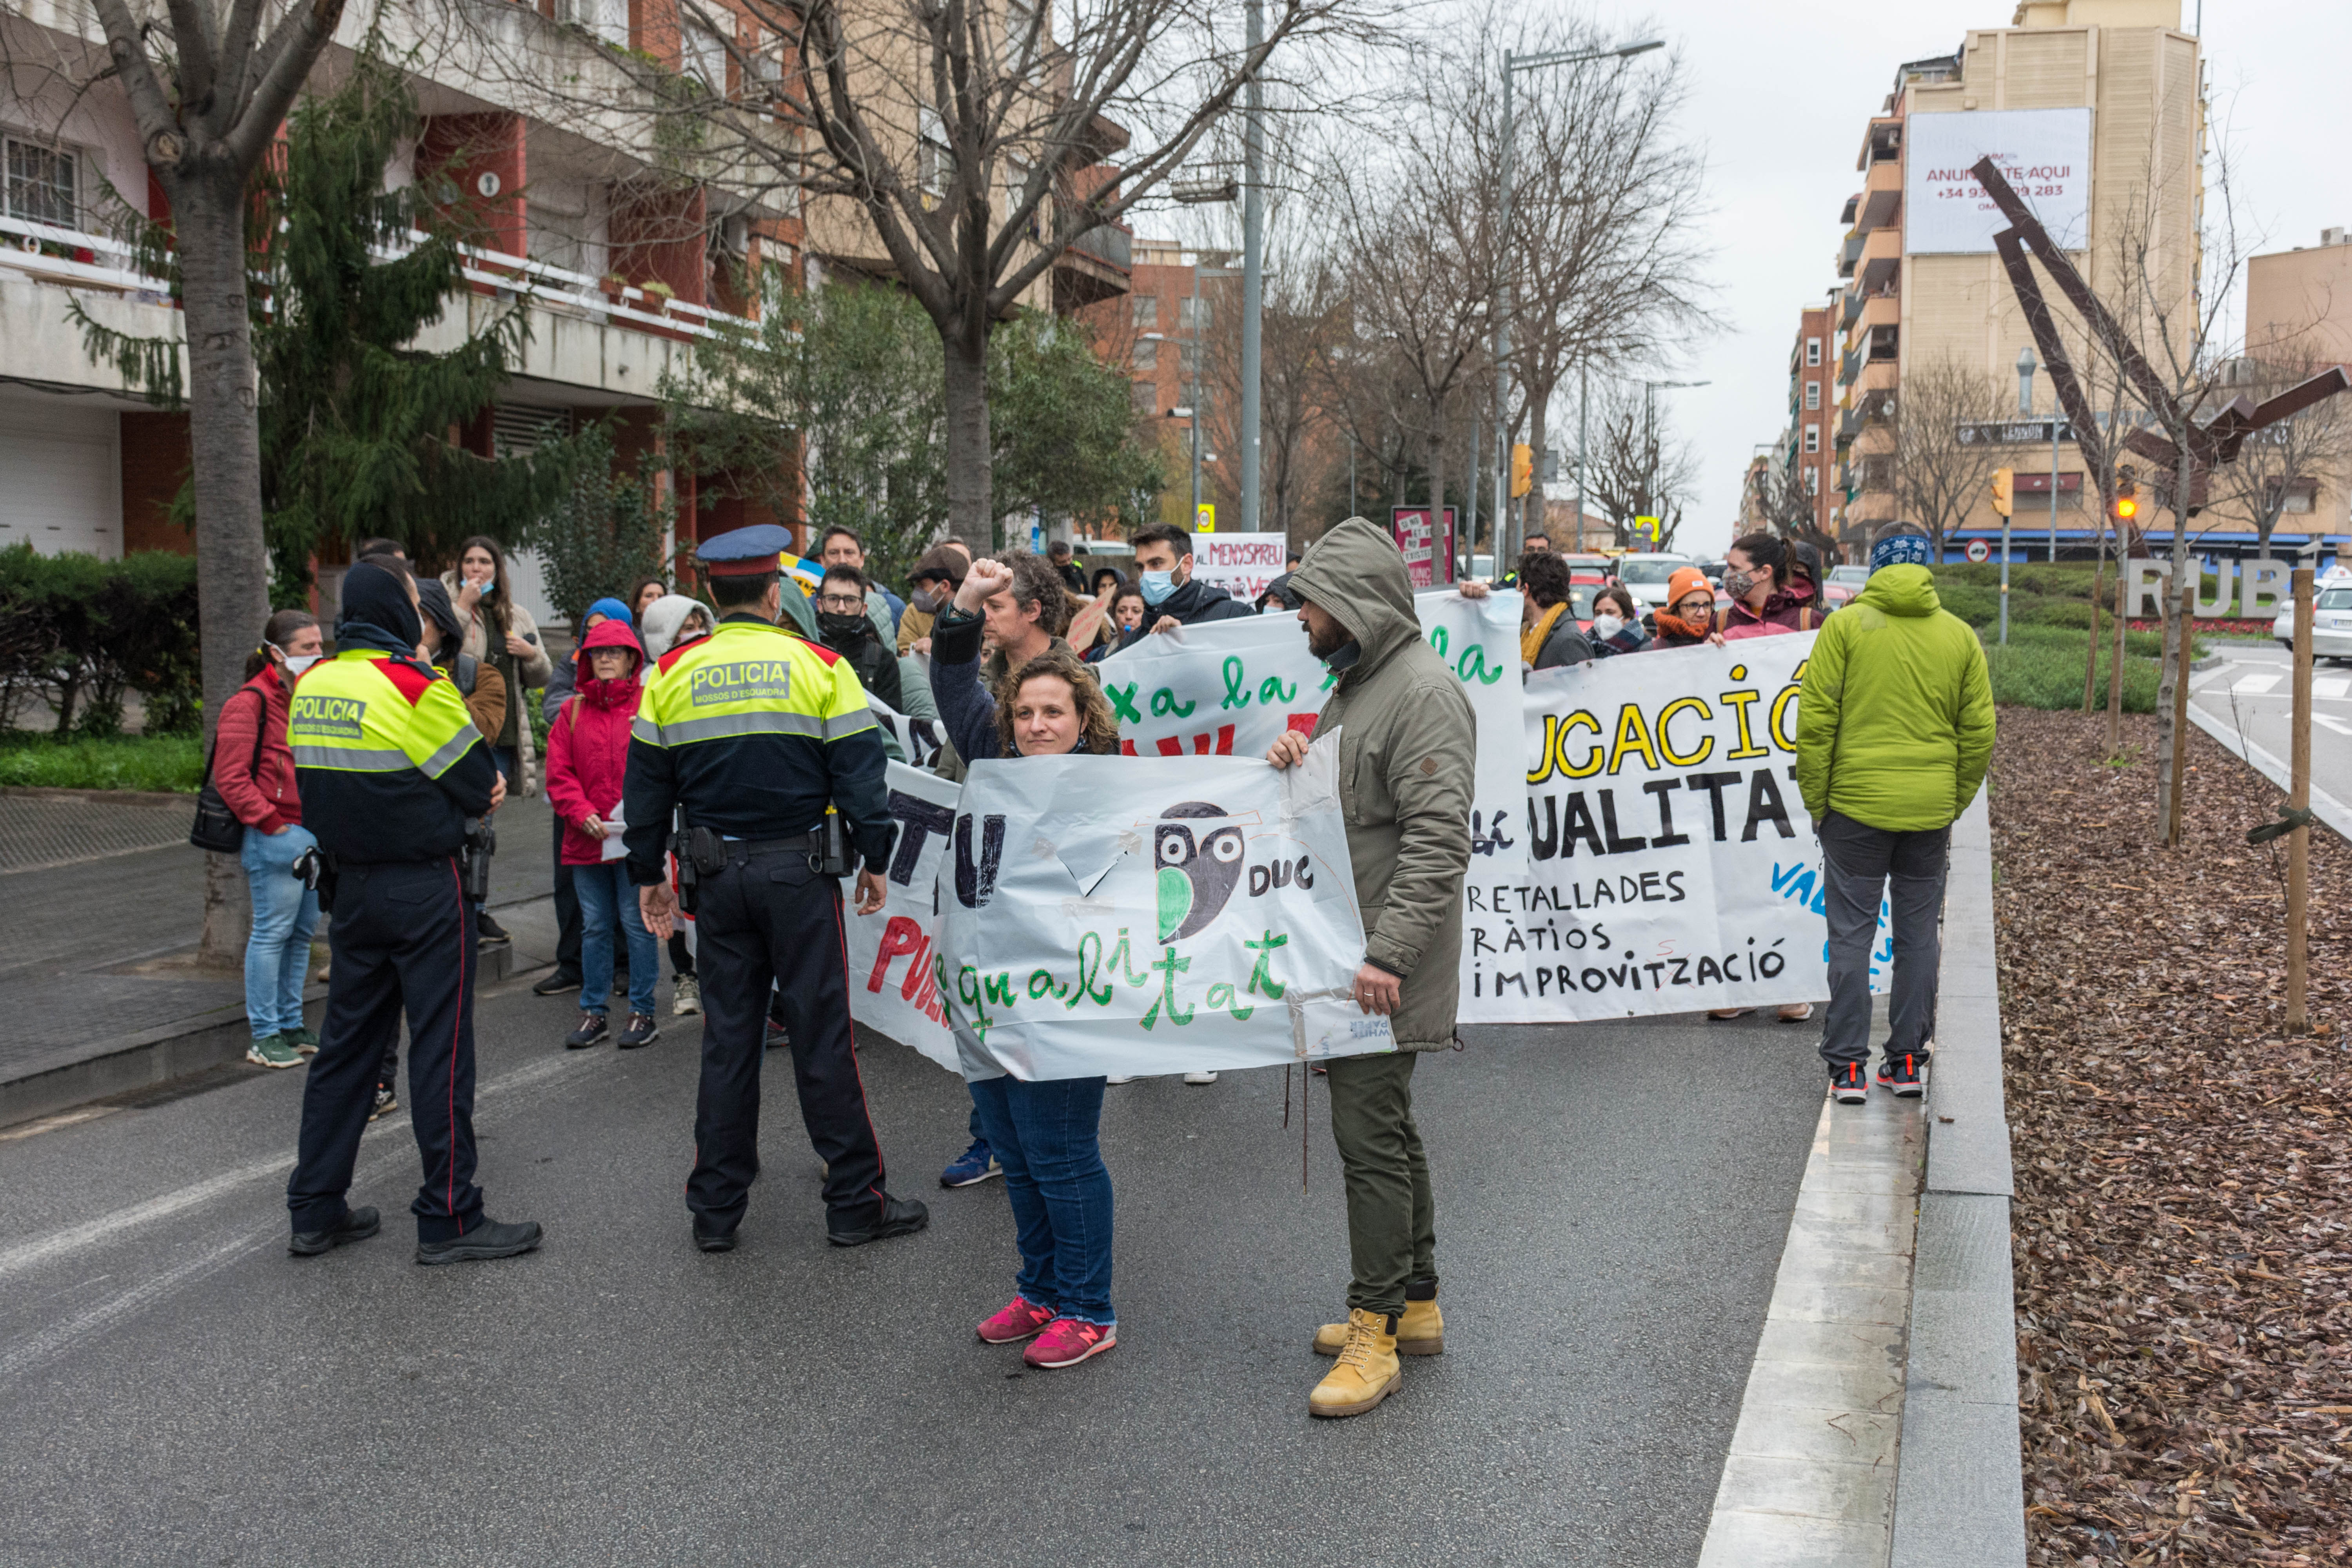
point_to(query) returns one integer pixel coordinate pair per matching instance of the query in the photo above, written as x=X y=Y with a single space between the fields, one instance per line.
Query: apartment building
x=1809 y=445
x=2095 y=110
x=1160 y=331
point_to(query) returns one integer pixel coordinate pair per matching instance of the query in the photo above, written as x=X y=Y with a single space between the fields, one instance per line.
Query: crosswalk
x=2334 y=686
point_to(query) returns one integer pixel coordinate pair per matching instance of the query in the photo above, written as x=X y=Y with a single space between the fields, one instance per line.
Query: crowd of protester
x=993 y=654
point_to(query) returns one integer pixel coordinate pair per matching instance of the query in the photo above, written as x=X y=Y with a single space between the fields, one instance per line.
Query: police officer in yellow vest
x=754 y=731
x=391 y=768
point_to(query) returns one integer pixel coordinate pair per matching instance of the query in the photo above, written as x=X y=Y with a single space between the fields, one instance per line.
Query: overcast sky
x=1779 y=95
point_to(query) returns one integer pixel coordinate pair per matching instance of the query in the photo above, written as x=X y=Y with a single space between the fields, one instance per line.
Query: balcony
x=1112 y=244
x=1881 y=254
x=1849 y=253
x=1866 y=313
x=1882 y=195
x=1093 y=266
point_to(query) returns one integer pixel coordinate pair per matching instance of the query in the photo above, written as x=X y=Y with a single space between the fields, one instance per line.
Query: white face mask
x=1606 y=625
x=296 y=663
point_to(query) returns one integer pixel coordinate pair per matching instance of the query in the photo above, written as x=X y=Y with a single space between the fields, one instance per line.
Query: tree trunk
x=224 y=450
x=2177 y=644
x=971 y=512
x=1437 y=491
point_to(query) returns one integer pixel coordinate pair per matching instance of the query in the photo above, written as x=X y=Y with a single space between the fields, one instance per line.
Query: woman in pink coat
x=587 y=758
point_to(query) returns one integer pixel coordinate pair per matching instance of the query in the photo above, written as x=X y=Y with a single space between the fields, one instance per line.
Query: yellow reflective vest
x=386 y=757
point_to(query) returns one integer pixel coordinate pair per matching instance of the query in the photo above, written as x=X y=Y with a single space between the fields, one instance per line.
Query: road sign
x=1205 y=518
x=1978 y=552
x=1648 y=525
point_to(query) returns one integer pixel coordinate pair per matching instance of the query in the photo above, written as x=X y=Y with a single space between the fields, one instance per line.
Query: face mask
x=924 y=601
x=1158 y=585
x=1737 y=582
x=296 y=663
x=833 y=625
x=1606 y=625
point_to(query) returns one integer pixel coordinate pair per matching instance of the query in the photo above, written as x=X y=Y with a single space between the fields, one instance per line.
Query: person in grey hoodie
x=1408 y=748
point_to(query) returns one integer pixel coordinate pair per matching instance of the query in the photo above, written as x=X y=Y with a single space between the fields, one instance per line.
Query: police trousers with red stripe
x=765 y=917
x=401 y=937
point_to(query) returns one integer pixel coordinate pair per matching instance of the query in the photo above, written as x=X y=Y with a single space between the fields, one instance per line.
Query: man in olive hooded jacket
x=1895 y=728
x=1408 y=746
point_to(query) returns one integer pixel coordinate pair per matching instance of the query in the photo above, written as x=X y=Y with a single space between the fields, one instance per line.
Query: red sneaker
x=1020 y=1319
x=1067 y=1342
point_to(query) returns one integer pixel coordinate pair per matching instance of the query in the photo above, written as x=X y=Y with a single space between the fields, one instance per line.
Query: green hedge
x=2042 y=666
x=81 y=634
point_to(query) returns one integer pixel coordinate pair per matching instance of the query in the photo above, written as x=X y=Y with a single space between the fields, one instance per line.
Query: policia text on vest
x=390 y=769
x=754 y=734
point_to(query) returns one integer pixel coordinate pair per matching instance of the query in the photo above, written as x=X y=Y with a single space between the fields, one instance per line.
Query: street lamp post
x=1253 y=268
x=1650 y=433
x=1512 y=65
x=2024 y=410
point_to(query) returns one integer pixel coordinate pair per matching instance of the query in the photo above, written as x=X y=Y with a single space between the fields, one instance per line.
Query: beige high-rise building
x=2094 y=111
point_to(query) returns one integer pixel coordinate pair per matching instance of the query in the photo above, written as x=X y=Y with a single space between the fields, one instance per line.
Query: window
x=2302 y=495
x=1812 y=480
x=41 y=184
x=1812 y=351
x=934 y=159
x=1146 y=311
x=1147 y=353
x=1146 y=394
x=1192 y=356
x=1812 y=394
x=705 y=57
x=1812 y=437
x=1195 y=314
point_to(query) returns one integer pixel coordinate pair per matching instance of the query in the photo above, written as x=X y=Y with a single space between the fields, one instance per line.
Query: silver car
x=2331 y=621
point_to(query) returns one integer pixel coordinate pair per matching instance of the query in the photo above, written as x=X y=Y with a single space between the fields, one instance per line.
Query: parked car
x=1591 y=568
x=1845 y=582
x=2331 y=622
x=1648 y=575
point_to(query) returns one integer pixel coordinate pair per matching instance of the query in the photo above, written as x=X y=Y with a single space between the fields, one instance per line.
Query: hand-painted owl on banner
x=1197 y=872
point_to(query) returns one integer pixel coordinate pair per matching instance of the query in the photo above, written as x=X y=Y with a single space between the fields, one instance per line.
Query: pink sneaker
x=1067 y=1342
x=1020 y=1319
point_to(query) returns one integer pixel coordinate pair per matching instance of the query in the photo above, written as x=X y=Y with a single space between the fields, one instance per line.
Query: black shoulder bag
x=216 y=826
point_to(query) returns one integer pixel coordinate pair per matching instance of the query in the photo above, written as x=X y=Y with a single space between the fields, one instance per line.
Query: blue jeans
x=1046 y=1136
x=285 y=914
x=606 y=895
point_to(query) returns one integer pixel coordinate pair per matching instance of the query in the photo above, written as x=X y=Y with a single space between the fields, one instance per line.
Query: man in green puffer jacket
x=1894 y=731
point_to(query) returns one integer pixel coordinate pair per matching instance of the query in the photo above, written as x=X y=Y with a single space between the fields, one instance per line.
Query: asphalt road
x=175 y=1389
x=2252 y=694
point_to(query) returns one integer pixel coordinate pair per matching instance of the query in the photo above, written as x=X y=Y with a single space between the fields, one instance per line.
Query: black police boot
x=714 y=1240
x=488 y=1239
x=557 y=980
x=892 y=1216
x=357 y=1224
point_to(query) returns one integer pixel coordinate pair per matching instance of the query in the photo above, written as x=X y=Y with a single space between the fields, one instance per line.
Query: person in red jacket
x=254 y=770
x=587 y=758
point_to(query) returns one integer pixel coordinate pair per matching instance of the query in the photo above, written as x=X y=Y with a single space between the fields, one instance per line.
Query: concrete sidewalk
x=99 y=908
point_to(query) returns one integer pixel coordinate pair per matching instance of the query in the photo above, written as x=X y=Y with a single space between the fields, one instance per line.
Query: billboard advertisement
x=2045 y=154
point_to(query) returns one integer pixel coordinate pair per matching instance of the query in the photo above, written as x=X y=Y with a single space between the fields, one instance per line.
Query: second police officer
x=756 y=733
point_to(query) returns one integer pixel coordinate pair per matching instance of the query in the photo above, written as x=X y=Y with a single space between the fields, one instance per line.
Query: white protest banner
x=919 y=739
x=1230 y=688
x=1141 y=915
x=892 y=983
x=1240 y=564
x=1671 y=866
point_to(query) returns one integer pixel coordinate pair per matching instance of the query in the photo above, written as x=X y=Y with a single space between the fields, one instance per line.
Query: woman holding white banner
x=1047 y=1134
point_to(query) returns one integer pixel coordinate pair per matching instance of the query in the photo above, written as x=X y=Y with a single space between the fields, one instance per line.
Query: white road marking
x=36 y=1348
x=71 y=1240
x=2255 y=685
x=2338 y=725
x=2335 y=687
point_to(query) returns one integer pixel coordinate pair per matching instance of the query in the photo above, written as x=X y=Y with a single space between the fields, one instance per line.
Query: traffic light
x=2127 y=493
x=2005 y=490
x=1523 y=469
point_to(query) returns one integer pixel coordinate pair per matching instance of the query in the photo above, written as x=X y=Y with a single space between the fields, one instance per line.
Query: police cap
x=744 y=552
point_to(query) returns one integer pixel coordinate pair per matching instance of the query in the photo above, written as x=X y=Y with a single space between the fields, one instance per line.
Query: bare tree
x=1784 y=502
x=208 y=85
x=1941 y=464
x=1636 y=469
x=2286 y=467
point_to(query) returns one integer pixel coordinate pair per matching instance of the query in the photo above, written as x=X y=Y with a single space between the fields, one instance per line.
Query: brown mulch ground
x=2183 y=1242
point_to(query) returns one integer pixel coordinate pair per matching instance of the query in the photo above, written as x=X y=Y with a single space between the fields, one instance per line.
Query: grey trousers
x=1863 y=864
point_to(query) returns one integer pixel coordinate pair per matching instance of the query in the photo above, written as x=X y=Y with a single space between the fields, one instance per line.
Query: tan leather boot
x=1420 y=1331
x=1367 y=1372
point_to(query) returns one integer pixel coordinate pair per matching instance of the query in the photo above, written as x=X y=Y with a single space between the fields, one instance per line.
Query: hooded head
x=1355 y=574
x=376 y=612
x=611 y=693
x=664 y=620
x=433 y=600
